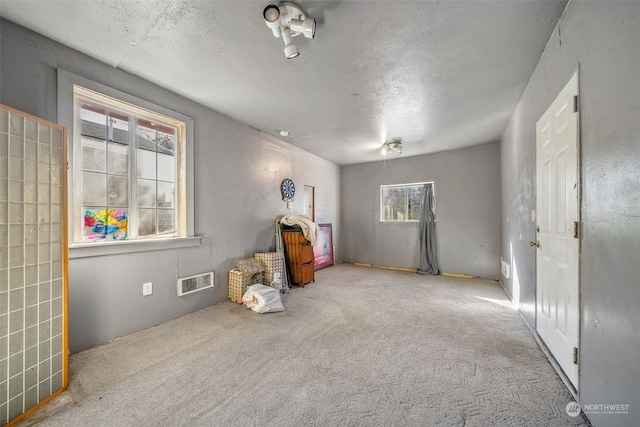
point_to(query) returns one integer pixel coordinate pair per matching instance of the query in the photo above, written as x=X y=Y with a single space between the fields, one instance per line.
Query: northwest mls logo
x=573 y=409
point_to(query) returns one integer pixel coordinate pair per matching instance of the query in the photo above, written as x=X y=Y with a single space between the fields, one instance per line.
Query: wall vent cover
x=506 y=270
x=188 y=285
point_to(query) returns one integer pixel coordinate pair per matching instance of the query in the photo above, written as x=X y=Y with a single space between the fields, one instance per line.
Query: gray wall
x=602 y=39
x=237 y=196
x=467 y=195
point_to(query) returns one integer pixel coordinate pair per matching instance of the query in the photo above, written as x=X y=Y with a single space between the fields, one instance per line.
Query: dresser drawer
x=306 y=254
x=294 y=237
x=306 y=273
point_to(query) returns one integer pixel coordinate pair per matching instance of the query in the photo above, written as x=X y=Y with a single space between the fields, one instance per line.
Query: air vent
x=506 y=270
x=191 y=284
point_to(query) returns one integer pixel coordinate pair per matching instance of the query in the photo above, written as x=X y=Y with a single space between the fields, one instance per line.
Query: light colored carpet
x=359 y=347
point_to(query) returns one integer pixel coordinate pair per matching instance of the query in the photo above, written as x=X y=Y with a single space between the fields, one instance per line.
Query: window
x=401 y=202
x=128 y=171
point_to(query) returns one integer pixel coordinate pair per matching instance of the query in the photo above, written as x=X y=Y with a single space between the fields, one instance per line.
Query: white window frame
x=410 y=184
x=67 y=118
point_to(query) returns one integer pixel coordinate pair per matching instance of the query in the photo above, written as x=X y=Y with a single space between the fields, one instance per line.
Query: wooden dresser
x=299 y=256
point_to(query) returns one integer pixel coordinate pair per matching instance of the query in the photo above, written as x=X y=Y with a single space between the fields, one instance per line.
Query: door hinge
x=576 y=229
x=575 y=103
x=575 y=355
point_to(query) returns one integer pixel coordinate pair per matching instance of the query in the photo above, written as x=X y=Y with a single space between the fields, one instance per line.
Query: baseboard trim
x=413 y=270
x=384 y=267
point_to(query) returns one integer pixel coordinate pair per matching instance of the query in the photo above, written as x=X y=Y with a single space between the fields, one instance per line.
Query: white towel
x=309 y=228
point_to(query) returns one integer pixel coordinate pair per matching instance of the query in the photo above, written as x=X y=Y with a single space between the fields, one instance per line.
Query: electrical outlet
x=147 y=289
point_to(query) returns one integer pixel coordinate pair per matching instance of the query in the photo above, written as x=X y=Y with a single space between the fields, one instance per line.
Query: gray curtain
x=427 y=224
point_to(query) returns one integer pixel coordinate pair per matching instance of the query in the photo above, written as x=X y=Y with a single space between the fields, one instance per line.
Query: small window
x=401 y=202
x=128 y=164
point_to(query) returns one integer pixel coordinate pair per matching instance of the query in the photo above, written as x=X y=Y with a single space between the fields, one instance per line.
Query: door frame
x=313 y=200
x=574 y=389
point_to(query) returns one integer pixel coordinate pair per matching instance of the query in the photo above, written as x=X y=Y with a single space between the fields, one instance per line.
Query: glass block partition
x=33 y=263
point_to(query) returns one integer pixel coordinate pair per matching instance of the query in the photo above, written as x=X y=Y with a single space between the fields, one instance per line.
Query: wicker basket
x=273 y=263
x=238 y=282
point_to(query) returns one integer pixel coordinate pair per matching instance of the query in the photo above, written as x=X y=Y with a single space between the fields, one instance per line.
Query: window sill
x=87 y=250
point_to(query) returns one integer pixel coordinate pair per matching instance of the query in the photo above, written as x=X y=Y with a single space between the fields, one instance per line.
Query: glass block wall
x=32 y=262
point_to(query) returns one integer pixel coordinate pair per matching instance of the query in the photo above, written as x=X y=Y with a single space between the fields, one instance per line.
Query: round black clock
x=288 y=190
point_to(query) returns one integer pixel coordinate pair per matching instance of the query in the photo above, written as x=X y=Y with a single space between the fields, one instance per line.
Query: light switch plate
x=147 y=289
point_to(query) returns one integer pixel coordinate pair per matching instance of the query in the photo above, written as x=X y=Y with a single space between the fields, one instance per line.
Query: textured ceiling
x=439 y=75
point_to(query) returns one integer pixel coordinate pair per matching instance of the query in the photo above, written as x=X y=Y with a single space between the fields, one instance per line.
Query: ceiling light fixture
x=284 y=133
x=271 y=16
x=288 y=20
x=394 y=146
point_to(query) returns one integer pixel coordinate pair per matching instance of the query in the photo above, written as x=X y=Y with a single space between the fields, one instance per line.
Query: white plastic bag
x=262 y=299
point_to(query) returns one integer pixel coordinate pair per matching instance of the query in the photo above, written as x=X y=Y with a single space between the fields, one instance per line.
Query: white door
x=557 y=200
x=309 y=201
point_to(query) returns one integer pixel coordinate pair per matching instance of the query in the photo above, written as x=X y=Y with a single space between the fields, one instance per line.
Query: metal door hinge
x=575 y=103
x=575 y=355
x=576 y=229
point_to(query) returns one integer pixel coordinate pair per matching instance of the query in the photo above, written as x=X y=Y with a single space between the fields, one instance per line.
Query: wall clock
x=288 y=190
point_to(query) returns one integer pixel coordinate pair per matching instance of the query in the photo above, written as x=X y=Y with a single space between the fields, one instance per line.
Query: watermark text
x=573 y=409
